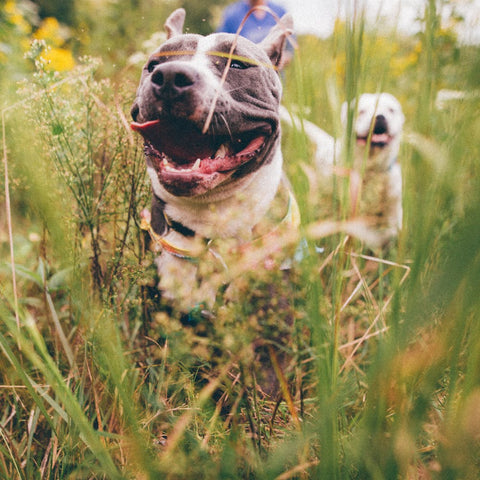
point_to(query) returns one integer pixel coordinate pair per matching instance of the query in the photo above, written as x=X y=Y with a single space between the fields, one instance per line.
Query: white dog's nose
x=381 y=124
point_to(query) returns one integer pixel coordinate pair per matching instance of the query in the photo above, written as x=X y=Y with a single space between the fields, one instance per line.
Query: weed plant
x=99 y=380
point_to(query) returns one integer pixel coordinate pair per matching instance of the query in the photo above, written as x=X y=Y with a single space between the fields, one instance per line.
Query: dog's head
x=204 y=126
x=379 y=122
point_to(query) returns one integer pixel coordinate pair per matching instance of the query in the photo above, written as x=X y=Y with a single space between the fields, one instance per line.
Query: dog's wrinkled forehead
x=185 y=45
x=191 y=44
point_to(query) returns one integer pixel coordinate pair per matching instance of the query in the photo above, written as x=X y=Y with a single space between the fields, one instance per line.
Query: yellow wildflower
x=58 y=59
x=10 y=8
x=49 y=31
x=15 y=17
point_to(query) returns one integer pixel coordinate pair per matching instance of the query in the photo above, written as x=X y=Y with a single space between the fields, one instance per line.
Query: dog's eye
x=237 y=64
x=151 y=65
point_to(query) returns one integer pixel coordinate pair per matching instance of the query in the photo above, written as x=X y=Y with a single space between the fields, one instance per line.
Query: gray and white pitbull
x=208 y=110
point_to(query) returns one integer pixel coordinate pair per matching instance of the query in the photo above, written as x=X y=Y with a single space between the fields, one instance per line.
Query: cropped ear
x=174 y=23
x=274 y=43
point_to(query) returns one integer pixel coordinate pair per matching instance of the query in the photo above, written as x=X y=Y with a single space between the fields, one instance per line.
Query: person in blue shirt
x=259 y=22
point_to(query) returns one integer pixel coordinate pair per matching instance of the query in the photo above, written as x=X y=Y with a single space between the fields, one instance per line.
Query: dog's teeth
x=196 y=165
x=165 y=162
x=221 y=152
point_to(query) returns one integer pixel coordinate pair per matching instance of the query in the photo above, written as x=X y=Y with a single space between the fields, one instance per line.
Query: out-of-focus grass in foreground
x=98 y=380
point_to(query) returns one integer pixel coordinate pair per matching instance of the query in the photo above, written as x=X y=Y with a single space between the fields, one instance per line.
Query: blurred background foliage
x=97 y=379
x=111 y=29
x=114 y=30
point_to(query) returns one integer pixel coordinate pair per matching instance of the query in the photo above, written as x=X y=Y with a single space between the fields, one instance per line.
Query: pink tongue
x=179 y=141
x=380 y=138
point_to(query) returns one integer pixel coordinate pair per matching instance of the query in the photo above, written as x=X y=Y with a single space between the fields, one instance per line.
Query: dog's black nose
x=173 y=79
x=381 y=124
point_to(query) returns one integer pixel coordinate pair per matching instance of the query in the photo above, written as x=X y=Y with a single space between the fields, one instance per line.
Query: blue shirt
x=254 y=29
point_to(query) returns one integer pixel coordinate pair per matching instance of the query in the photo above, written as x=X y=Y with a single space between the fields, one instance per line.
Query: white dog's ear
x=344 y=113
x=274 y=43
x=174 y=23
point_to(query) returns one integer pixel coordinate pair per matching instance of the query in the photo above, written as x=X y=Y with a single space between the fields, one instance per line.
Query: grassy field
x=99 y=380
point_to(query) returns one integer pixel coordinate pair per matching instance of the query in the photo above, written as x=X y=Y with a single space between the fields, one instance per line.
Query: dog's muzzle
x=380 y=136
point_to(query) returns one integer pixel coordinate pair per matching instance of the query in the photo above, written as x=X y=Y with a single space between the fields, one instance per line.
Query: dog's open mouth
x=377 y=140
x=189 y=162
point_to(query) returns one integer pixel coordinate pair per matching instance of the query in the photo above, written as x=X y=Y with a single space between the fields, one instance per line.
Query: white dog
x=374 y=171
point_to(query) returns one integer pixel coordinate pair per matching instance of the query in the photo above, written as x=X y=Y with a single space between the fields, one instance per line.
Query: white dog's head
x=379 y=125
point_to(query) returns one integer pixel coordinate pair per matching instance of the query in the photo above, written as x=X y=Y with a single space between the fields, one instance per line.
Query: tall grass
x=102 y=381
